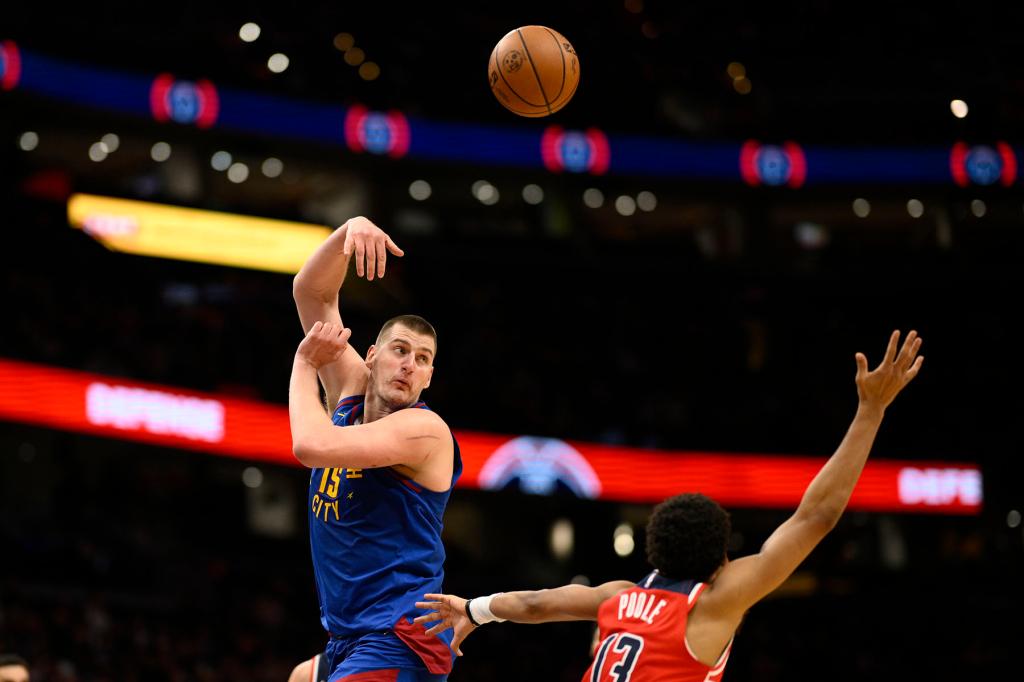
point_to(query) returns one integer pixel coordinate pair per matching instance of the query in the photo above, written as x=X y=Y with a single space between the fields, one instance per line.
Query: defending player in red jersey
x=677 y=624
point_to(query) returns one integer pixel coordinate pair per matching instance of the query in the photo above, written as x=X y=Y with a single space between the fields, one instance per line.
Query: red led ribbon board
x=248 y=429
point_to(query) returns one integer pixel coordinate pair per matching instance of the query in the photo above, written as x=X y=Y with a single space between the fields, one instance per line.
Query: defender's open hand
x=878 y=387
x=450 y=611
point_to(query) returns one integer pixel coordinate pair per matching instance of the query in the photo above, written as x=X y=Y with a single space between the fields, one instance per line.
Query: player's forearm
x=828 y=494
x=537 y=606
x=324 y=271
x=309 y=422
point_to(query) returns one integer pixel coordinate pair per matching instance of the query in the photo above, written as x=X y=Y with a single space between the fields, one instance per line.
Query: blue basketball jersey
x=376 y=541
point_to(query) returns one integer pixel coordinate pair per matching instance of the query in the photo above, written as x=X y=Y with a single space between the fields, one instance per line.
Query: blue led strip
x=784 y=164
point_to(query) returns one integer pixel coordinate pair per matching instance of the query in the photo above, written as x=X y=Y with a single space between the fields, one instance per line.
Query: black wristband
x=469 y=614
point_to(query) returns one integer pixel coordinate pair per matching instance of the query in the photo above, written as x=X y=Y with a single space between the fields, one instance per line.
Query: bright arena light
x=646 y=201
x=420 y=190
x=978 y=208
x=593 y=198
x=272 y=167
x=238 y=172
x=533 y=194
x=98 y=151
x=278 y=62
x=160 y=152
x=249 y=32
x=625 y=205
x=112 y=141
x=220 y=160
x=28 y=141
x=959 y=108
x=915 y=208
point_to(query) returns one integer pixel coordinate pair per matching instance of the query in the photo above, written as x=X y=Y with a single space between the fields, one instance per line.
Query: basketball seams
x=540 y=83
x=508 y=86
x=561 y=53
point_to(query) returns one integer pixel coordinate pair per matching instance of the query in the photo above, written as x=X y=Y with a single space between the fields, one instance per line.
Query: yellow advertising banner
x=148 y=229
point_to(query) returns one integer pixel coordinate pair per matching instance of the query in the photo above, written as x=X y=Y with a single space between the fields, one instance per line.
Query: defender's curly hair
x=687 y=537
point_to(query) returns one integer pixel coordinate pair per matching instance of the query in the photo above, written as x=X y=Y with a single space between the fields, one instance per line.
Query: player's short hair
x=12 y=659
x=412 y=322
x=687 y=537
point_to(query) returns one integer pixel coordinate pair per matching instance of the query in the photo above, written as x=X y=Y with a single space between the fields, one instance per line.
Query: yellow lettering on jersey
x=315 y=506
x=333 y=506
x=332 y=489
x=353 y=473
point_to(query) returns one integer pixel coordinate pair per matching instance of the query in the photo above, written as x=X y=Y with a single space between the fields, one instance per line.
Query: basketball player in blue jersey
x=383 y=466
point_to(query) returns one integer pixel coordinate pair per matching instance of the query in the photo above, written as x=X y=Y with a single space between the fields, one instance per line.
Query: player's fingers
x=347 y=248
x=862 y=364
x=382 y=259
x=439 y=598
x=906 y=351
x=437 y=629
x=317 y=326
x=393 y=247
x=371 y=262
x=432 y=604
x=915 y=368
x=890 y=351
x=360 y=255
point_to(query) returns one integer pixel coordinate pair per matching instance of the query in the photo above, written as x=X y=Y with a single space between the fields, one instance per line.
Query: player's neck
x=375 y=408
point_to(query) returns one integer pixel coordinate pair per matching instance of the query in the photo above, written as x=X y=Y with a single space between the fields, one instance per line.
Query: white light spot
x=220 y=160
x=561 y=538
x=959 y=108
x=238 y=172
x=252 y=477
x=272 y=167
x=98 y=151
x=249 y=32
x=420 y=190
x=625 y=205
x=915 y=208
x=160 y=152
x=277 y=62
x=1013 y=518
x=861 y=208
x=624 y=545
x=593 y=198
x=485 y=192
x=623 y=529
x=646 y=201
x=112 y=141
x=978 y=208
x=533 y=194
x=28 y=141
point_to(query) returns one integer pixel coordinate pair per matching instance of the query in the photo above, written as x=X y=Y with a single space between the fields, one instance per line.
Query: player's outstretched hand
x=878 y=387
x=371 y=245
x=447 y=611
x=324 y=344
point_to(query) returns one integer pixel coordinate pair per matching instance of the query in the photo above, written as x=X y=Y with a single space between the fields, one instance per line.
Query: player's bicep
x=407 y=437
x=743 y=582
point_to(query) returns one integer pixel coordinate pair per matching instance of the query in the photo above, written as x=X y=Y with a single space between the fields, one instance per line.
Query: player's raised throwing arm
x=315 y=289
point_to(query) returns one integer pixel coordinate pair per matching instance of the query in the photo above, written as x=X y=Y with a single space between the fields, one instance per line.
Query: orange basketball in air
x=533 y=71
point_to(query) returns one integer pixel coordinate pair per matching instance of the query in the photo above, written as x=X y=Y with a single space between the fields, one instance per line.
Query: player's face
x=401 y=365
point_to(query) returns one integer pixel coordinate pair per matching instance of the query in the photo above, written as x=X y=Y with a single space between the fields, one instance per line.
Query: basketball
x=533 y=71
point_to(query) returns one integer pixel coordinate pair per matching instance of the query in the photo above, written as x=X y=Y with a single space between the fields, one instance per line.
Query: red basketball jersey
x=643 y=635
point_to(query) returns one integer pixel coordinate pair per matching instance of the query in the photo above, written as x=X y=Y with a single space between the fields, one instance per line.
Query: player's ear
x=371 y=352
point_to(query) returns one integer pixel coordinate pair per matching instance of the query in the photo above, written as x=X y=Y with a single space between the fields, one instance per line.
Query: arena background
x=714 y=309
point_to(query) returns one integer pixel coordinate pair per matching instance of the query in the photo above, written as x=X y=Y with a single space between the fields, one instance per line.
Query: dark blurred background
x=725 y=318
